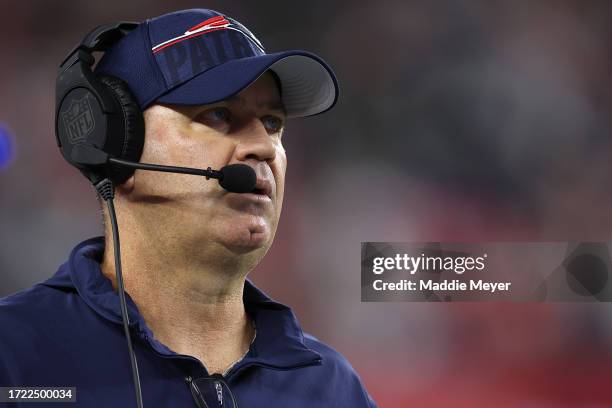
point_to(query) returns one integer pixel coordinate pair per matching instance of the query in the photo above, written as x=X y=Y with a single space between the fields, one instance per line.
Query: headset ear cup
x=134 y=129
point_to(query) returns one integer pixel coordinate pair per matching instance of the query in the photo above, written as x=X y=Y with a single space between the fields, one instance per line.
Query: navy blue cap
x=200 y=56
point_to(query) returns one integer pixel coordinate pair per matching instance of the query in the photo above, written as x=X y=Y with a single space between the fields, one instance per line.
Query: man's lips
x=259 y=198
x=262 y=187
x=260 y=195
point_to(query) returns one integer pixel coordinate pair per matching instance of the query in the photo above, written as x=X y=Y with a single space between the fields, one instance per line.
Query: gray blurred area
x=457 y=121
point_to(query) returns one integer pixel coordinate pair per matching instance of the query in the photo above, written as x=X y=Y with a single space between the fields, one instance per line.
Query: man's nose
x=255 y=143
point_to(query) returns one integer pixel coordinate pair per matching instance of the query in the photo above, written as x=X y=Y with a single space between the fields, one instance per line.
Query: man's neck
x=193 y=309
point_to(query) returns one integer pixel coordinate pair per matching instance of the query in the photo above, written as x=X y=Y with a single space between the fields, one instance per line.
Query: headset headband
x=90 y=111
x=101 y=38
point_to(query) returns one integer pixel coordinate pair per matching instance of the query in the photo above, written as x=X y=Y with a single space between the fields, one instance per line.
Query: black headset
x=97 y=111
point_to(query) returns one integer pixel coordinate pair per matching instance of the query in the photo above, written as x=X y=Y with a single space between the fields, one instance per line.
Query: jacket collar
x=279 y=341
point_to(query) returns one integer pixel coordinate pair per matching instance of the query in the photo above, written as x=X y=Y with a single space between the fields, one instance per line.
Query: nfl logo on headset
x=78 y=119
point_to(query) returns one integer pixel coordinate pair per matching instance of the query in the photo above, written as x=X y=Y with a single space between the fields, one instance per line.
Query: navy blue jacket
x=67 y=332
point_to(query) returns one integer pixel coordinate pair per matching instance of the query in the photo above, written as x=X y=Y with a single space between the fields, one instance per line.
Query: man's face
x=190 y=210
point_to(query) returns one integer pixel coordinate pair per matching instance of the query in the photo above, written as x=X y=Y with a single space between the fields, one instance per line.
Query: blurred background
x=457 y=121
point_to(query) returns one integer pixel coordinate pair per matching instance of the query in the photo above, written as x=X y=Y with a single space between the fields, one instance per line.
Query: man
x=187 y=244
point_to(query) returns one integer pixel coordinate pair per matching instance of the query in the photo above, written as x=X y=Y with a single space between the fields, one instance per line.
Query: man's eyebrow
x=275 y=105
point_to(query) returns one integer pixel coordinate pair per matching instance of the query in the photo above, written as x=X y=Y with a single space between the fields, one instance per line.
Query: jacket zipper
x=219 y=393
x=218 y=389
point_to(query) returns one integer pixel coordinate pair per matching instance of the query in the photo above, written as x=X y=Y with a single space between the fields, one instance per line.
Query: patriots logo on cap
x=207 y=26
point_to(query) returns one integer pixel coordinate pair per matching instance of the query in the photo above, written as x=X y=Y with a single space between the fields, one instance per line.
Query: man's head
x=191 y=211
x=211 y=96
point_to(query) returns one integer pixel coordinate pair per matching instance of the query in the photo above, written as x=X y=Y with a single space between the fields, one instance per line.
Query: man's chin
x=248 y=238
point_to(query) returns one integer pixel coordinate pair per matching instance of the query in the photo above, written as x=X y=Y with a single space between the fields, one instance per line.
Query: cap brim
x=309 y=86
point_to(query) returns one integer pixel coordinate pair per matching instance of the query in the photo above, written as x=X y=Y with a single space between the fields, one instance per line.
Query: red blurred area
x=457 y=121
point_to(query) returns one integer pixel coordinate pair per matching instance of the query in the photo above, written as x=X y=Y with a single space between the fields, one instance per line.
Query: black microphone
x=235 y=178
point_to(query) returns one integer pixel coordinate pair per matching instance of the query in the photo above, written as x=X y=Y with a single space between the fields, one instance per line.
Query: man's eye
x=214 y=116
x=272 y=123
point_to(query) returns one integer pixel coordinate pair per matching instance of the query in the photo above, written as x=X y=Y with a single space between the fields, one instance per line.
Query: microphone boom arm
x=208 y=173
